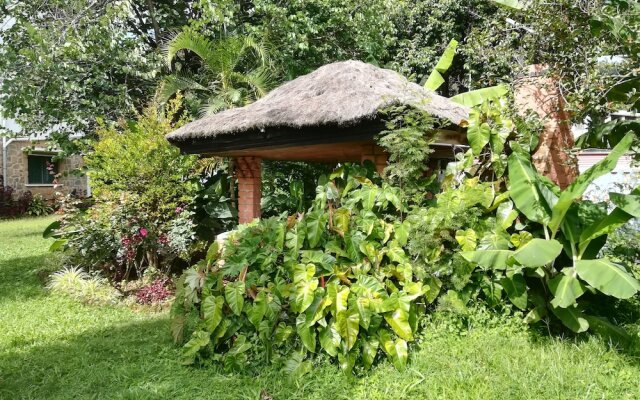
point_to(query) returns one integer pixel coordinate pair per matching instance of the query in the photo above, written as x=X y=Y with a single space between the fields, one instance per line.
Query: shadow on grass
x=25 y=234
x=21 y=278
x=132 y=361
x=138 y=361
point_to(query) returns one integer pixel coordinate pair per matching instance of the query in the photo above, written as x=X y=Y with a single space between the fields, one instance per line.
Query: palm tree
x=234 y=71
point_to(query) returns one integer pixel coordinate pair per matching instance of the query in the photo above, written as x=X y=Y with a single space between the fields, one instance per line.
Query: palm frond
x=245 y=50
x=229 y=51
x=258 y=48
x=191 y=41
x=173 y=84
x=210 y=165
x=259 y=81
x=213 y=105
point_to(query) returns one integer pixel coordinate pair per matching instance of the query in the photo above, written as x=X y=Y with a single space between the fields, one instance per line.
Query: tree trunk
x=154 y=21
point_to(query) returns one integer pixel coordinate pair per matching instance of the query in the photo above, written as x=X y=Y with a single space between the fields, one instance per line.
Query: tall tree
x=310 y=33
x=426 y=27
x=67 y=63
x=566 y=36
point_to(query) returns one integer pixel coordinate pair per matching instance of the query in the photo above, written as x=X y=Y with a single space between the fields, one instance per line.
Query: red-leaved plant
x=156 y=292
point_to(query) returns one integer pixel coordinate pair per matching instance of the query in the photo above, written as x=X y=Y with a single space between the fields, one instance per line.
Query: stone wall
x=17 y=172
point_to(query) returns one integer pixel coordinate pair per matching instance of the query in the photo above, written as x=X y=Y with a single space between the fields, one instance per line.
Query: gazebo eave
x=316 y=144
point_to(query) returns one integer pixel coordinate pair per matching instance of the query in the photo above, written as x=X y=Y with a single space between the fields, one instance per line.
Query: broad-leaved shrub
x=333 y=280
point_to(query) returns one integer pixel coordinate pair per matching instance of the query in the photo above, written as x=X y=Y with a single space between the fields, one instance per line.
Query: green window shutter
x=37 y=170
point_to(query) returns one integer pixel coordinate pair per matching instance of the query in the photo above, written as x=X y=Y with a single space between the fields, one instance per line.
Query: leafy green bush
x=289 y=186
x=623 y=246
x=135 y=160
x=39 y=206
x=335 y=280
x=459 y=217
x=141 y=186
x=407 y=138
x=212 y=208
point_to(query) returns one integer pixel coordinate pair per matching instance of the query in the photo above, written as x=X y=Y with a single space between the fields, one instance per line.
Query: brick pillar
x=540 y=93
x=376 y=155
x=249 y=173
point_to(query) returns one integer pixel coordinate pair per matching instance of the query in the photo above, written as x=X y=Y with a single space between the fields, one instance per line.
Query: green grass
x=54 y=348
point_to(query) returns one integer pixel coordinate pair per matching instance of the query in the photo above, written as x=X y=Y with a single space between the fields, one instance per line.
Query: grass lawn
x=54 y=348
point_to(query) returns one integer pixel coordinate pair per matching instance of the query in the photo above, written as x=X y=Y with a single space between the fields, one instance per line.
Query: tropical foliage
x=547 y=263
x=234 y=71
x=353 y=276
x=334 y=280
x=289 y=186
x=406 y=139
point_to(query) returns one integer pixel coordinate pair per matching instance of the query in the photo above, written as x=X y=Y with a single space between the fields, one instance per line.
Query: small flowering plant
x=156 y=292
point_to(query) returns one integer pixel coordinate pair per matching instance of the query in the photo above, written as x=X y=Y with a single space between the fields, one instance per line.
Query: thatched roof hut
x=337 y=102
x=329 y=115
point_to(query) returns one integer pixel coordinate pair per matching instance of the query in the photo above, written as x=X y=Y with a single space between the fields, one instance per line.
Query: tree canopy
x=67 y=64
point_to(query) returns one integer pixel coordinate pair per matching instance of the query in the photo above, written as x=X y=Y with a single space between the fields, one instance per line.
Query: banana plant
x=435 y=79
x=470 y=98
x=564 y=259
x=476 y=97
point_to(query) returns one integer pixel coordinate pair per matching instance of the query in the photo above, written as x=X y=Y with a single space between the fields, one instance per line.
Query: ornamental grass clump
x=79 y=285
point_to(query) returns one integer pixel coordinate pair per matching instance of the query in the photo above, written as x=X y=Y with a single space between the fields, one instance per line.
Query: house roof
x=338 y=96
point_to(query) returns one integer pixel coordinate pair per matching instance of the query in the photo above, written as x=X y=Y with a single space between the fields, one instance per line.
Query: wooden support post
x=376 y=155
x=249 y=173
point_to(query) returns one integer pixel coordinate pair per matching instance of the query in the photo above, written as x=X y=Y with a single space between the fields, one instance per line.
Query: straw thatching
x=341 y=94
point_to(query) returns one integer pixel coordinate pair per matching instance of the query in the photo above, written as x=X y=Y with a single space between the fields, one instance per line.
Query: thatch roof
x=341 y=94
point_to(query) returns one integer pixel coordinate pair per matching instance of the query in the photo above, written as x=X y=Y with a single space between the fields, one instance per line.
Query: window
x=42 y=169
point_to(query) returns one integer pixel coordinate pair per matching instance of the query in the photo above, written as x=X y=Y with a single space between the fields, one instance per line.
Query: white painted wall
x=622 y=179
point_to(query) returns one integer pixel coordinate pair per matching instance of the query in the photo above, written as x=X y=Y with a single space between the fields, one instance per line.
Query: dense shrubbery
x=623 y=246
x=289 y=186
x=140 y=217
x=333 y=280
x=10 y=207
x=353 y=276
x=25 y=204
